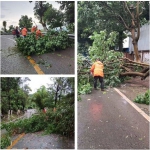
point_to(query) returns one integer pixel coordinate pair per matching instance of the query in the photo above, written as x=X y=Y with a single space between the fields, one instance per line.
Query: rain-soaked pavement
x=107 y=121
x=40 y=141
x=13 y=62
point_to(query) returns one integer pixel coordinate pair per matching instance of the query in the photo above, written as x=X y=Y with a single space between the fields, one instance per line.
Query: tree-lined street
x=45 y=117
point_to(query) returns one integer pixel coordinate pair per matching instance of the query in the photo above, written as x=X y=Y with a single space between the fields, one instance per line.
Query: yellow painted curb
x=36 y=67
x=15 y=141
x=133 y=105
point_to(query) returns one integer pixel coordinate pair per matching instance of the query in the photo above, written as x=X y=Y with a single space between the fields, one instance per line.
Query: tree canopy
x=4 y=25
x=25 y=21
x=112 y=16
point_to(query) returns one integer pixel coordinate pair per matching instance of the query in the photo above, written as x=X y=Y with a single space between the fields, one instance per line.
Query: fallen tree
x=116 y=67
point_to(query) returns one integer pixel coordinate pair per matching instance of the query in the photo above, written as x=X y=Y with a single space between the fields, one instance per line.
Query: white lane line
x=133 y=105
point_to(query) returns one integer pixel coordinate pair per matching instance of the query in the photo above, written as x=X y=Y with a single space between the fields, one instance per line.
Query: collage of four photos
x=74 y=74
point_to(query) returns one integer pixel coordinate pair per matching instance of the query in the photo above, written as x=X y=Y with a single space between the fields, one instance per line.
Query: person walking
x=97 y=72
x=17 y=32
x=24 y=32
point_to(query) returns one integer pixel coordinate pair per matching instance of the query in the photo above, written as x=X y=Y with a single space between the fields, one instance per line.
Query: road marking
x=36 y=67
x=133 y=105
x=16 y=141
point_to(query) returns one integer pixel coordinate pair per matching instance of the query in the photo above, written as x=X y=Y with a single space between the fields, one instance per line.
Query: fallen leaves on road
x=140 y=139
x=126 y=136
x=104 y=92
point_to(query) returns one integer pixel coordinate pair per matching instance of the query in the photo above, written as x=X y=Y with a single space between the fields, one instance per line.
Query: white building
x=143 y=43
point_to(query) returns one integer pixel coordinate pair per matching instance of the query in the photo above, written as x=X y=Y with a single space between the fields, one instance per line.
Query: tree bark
x=120 y=41
x=135 y=38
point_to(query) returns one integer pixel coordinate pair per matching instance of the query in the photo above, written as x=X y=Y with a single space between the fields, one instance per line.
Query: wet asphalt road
x=40 y=141
x=107 y=121
x=13 y=62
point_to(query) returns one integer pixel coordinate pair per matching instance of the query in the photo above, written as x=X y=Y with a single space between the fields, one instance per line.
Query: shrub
x=5 y=141
x=143 y=98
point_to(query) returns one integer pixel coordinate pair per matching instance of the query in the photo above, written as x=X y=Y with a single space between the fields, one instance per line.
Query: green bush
x=5 y=141
x=143 y=98
x=50 y=42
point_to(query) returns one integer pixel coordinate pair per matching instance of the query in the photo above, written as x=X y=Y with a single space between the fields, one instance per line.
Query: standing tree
x=4 y=25
x=113 y=16
x=25 y=22
x=8 y=86
x=40 y=97
x=130 y=19
x=39 y=10
x=11 y=27
x=54 y=17
x=69 y=13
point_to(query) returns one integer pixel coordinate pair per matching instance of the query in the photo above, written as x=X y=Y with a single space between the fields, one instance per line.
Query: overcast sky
x=11 y=12
x=37 y=81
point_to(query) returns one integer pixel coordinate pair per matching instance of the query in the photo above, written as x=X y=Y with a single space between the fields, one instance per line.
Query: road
x=107 y=121
x=13 y=62
x=39 y=140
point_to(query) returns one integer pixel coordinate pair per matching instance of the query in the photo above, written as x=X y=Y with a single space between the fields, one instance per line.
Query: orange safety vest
x=24 y=31
x=33 y=29
x=97 y=69
x=38 y=33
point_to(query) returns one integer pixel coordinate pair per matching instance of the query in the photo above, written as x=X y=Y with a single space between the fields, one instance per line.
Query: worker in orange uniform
x=33 y=29
x=24 y=32
x=97 y=72
x=38 y=33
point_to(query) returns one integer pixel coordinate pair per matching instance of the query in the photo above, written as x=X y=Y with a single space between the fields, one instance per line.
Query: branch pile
x=116 y=69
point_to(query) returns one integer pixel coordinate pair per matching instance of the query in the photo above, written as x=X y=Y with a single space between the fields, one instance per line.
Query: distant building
x=143 y=44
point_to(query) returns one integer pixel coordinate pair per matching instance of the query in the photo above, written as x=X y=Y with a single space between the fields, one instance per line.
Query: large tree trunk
x=120 y=41
x=135 y=45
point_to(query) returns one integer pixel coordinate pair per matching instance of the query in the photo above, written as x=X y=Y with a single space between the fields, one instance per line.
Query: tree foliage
x=11 y=27
x=4 y=25
x=60 y=121
x=112 y=16
x=54 y=18
x=39 y=10
x=68 y=7
x=25 y=21
x=69 y=13
x=116 y=67
x=13 y=96
x=50 y=42
x=41 y=97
